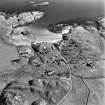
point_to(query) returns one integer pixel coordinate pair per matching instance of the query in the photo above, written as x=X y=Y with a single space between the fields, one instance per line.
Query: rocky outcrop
x=23 y=18
x=29 y=17
x=101 y=22
x=101 y=26
x=59 y=28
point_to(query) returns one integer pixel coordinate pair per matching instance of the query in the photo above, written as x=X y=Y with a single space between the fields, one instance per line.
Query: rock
x=37 y=15
x=29 y=17
x=35 y=4
x=58 y=28
x=13 y=21
x=101 y=21
x=25 y=17
x=101 y=26
x=66 y=30
x=22 y=19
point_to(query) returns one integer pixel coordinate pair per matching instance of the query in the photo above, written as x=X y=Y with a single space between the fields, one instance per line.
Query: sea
x=57 y=10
